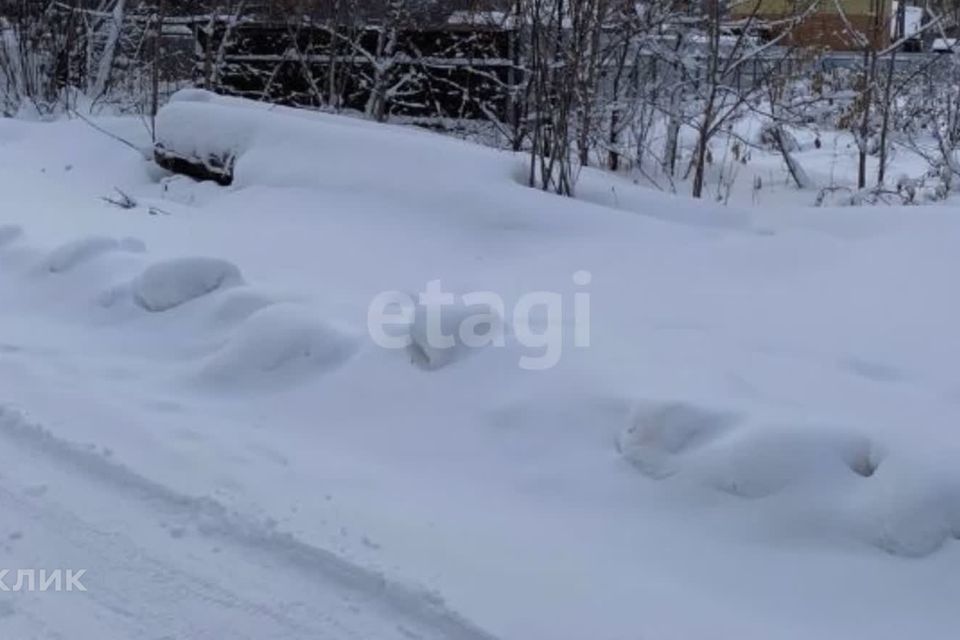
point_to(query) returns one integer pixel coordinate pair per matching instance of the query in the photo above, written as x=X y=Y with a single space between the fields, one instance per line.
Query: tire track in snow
x=414 y=613
x=140 y=590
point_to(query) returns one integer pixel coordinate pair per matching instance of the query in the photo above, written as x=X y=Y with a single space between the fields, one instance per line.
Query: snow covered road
x=163 y=565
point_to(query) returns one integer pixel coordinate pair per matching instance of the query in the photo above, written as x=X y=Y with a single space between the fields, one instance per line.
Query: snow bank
x=172 y=283
x=254 y=144
x=260 y=144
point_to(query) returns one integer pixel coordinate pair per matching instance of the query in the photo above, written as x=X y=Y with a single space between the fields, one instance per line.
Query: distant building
x=835 y=25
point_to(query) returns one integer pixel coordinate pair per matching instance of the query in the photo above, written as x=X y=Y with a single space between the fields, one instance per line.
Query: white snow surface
x=761 y=441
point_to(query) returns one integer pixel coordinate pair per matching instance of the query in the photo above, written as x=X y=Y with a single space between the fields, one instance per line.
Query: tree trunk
x=105 y=67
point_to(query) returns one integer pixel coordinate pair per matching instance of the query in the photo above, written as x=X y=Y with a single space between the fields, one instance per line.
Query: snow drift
x=768 y=404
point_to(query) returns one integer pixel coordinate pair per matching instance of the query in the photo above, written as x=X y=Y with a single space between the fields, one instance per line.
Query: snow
x=912 y=20
x=943 y=45
x=660 y=434
x=759 y=442
x=479 y=18
x=9 y=233
x=167 y=285
x=468 y=328
x=279 y=341
x=72 y=254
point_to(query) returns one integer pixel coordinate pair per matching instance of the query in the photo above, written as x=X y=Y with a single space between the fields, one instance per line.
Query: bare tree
x=722 y=97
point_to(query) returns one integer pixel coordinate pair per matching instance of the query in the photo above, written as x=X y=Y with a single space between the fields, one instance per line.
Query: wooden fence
x=454 y=73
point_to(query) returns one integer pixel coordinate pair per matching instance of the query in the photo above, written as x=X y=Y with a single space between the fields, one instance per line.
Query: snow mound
x=190 y=130
x=72 y=254
x=661 y=434
x=236 y=141
x=917 y=528
x=9 y=233
x=762 y=461
x=912 y=508
x=463 y=329
x=281 y=344
x=172 y=283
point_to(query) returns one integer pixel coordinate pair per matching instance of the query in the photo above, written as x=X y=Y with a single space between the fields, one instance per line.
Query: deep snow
x=760 y=442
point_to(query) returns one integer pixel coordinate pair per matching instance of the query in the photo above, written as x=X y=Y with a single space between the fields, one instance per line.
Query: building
x=834 y=25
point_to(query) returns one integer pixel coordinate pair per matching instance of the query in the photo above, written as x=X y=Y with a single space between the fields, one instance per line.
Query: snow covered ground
x=760 y=441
